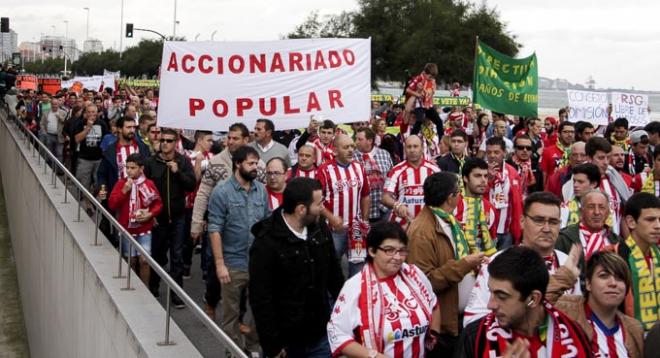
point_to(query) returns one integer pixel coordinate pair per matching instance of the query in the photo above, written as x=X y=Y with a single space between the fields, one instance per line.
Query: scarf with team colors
x=566 y=153
x=624 y=143
x=372 y=303
x=462 y=246
x=646 y=283
x=357 y=240
x=475 y=223
x=650 y=185
x=123 y=151
x=141 y=197
x=564 y=337
x=527 y=177
x=592 y=241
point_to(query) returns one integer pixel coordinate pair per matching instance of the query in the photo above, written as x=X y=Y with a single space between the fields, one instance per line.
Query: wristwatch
x=372 y=353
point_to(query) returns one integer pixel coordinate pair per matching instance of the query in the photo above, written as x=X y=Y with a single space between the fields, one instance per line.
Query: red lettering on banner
x=194 y=105
x=262 y=106
x=319 y=61
x=202 y=66
x=334 y=59
x=242 y=104
x=349 y=54
x=173 y=64
x=277 y=63
x=335 y=98
x=308 y=61
x=221 y=68
x=295 y=59
x=184 y=61
x=313 y=103
x=259 y=63
x=232 y=64
x=287 y=106
x=225 y=108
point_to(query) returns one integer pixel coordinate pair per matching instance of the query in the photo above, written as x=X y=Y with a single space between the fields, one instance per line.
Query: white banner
x=633 y=106
x=92 y=82
x=588 y=106
x=211 y=85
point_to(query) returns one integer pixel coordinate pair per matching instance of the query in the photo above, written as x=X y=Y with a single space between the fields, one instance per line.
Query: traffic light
x=4 y=24
x=129 y=30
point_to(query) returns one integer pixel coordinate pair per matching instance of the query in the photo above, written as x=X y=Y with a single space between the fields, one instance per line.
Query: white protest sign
x=211 y=85
x=588 y=106
x=632 y=106
x=91 y=82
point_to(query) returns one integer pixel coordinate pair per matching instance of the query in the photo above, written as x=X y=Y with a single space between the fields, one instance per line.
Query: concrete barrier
x=73 y=306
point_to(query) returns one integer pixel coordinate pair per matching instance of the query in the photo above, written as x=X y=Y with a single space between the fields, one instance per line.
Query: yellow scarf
x=624 y=143
x=566 y=153
x=573 y=212
x=475 y=223
x=649 y=184
x=645 y=284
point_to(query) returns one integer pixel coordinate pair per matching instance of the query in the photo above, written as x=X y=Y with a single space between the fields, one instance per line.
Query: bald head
x=578 y=155
x=414 y=150
x=344 y=148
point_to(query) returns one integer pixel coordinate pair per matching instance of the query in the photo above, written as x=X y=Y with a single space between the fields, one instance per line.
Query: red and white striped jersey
x=190 y=197
x=607 y=342
x=324 y=153
x=274 y=199
x=296 y=172
x=404 y=324
x=406 y=184
x=343 y=187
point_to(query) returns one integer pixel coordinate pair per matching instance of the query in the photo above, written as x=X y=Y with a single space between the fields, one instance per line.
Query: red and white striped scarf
x=324 y=153
x=592 y=242
x=527 y=177
x=141 y=197
x=123 y=151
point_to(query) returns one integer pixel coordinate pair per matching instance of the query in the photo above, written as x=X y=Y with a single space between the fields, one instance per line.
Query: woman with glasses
x=389 y=308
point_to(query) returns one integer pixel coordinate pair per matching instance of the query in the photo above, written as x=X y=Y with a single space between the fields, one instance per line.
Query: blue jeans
x=169 y=236
x=320 y=349
x=341 y=248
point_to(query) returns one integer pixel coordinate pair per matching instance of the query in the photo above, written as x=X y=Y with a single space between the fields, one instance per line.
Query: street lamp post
x=174 y=24
x=66 y=39
x=121 y=29
x=87 y=31
x=213 y=34
x=196 y=37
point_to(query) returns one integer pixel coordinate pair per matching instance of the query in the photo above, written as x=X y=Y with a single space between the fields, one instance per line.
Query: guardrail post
x=119 y=274
x=66 y=189
x=96 y=230
x=167 y=341
x=79 y=205
x=128 y=273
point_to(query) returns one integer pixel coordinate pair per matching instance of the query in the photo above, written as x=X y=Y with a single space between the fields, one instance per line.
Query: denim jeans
x=54 y=146
x=320 y=349
x=504 y=241
x=341 y=248
x=168 y=236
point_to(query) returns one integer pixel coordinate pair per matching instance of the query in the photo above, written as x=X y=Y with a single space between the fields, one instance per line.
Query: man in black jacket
x=293 y=274
x=174 y=177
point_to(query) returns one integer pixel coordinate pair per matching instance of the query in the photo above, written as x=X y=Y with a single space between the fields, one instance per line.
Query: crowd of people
x=463 y=232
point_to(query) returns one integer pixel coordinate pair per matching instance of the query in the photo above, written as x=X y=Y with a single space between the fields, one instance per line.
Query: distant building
x=92 y=45
x=57 y=46
x=8 y=44
x=30 y=51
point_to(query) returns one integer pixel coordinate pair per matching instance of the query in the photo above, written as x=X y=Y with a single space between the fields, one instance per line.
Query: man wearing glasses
x=275 y=181
x=174 y=177
x=540 y=223
x=531 y=177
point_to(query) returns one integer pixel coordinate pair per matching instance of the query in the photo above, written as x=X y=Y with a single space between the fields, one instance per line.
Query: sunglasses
x=524 y=147
x=164 y=140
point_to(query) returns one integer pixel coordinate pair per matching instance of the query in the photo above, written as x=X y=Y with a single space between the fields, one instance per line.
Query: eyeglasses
x=540 y=221
x=391 y=251
x=165 y=140
x=274 y=174
x=524 y=147
x=154 y=132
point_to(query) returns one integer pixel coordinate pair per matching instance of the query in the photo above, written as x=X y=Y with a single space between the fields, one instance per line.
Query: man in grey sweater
x=265 y=145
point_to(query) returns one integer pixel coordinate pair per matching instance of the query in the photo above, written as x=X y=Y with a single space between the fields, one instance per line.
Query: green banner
x=505 y=84
x=139 y=83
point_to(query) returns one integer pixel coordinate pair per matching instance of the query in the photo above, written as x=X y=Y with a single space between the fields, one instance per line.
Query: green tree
x=407 y=34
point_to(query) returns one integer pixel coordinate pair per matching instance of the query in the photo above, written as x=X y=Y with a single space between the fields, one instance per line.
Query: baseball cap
x=639 y=136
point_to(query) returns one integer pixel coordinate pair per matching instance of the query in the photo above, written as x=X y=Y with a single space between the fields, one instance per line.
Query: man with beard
x=235 y=206
x=294 y=275
x=473 y=211
x=521 y=323
x=113 y=163
x=617 y=160
x=174 y=177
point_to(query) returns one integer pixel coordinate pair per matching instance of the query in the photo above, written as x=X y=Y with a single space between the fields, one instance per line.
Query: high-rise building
x=30 y=51
x=8 y=44
x=92 y=45
x=57 y=46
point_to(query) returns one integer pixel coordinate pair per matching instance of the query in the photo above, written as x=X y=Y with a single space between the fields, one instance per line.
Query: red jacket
x=119 y=202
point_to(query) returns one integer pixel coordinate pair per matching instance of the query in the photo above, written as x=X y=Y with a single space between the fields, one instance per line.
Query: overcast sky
x=618 y=43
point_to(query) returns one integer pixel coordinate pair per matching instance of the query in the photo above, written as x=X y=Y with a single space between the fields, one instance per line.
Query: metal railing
x=50 y=161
